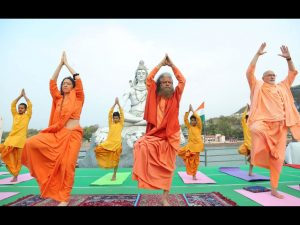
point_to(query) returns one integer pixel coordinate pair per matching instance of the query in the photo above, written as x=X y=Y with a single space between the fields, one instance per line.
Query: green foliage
x=230 y=126
x=32 y=132
x=88 y=131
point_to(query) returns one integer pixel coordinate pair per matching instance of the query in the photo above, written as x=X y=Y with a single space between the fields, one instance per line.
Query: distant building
x=218 y=138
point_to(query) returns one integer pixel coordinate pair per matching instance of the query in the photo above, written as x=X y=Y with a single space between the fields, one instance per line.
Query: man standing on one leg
x=11 y=150
x=155 y=152
x=272 y=112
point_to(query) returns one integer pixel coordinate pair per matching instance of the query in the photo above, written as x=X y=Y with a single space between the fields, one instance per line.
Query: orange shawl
x=57 y=122
x=170 y=123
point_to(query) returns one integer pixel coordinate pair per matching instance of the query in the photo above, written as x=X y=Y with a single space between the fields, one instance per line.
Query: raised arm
x=110 y=115
x=121 y=111
x=251 y=69
x=29 y=105
x=14 y=103
x=291 y=68
x=58 y=69
x=76 y=77
x=186 y=118
x=152 y=74
x=55 y=93
x=180 y=78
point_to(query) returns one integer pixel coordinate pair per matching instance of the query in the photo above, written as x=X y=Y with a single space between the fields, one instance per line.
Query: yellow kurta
x=114 y=138
x=195 y=142
x=18 y=133
x=108 y=152
x=245 y=148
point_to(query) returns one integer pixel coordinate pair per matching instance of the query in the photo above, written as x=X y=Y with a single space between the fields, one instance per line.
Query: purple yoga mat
x=296 y=187
x=242 y=174
x=201 y=178
x=3 y=173
x=266 y=199
x=21 y=178
x=4 y=195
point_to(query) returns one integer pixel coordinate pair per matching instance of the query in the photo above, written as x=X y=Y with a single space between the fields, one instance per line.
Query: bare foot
x=165 y=203
x=113 y=178
x=63 y=204
x=194 y=177
x=250 y=174
x=277 y=195
x=15 y=179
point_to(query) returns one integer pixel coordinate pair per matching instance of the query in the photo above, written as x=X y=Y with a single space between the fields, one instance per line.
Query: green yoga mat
x=105 y=180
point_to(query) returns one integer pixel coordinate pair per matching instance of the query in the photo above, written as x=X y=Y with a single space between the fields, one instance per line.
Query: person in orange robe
x=272 y=112
x=155 y=152
x=11 y=149
x=108 y=152
x=51 y=155
x=246 y=147
x=191 y=152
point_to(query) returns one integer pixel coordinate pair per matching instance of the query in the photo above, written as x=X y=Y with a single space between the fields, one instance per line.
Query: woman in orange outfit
x=51 y=155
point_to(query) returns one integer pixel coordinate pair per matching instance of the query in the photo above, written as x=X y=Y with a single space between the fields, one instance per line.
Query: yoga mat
x=296 y=187
x=4 y=195
x=21 y=178
x=3 y=173
x=201 y=178
x=242 y=174
x=296 y=166
x=105 y=180
x=266 y=199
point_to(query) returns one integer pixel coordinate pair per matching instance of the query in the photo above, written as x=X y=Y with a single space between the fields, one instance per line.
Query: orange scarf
x=170 y=123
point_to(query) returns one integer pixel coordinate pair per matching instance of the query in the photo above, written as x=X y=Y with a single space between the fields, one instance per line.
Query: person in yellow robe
x=245 y=148
x=11 y=149
x=108 y=152
x=191 y=152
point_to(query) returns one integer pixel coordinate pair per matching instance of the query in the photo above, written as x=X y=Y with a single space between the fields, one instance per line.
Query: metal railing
x=207 y=156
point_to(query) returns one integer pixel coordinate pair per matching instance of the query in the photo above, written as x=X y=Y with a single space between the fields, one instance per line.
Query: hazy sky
x=212 y=54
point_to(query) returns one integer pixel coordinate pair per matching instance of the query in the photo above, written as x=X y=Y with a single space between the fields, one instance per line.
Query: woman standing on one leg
x=51 y=155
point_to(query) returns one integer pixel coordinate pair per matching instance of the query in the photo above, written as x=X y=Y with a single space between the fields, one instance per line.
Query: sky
x=212 y=54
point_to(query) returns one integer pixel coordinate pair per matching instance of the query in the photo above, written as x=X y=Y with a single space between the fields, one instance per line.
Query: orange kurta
x=51 y=155
x=190 y=152
x=155 y=152
x=108 y=152
x=272 y=112
x=11 y=150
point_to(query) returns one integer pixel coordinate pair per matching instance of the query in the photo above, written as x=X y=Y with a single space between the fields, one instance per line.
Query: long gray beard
x=166 y=92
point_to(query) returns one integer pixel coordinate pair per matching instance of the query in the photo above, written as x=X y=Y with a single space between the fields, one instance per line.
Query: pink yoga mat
x=201 y=178
x=2 y=173
x=266 y=199
x=296 y=187
x=4 y=195
x=21 y=178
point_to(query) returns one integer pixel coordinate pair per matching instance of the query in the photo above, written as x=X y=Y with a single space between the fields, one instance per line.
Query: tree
x=88 y=131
